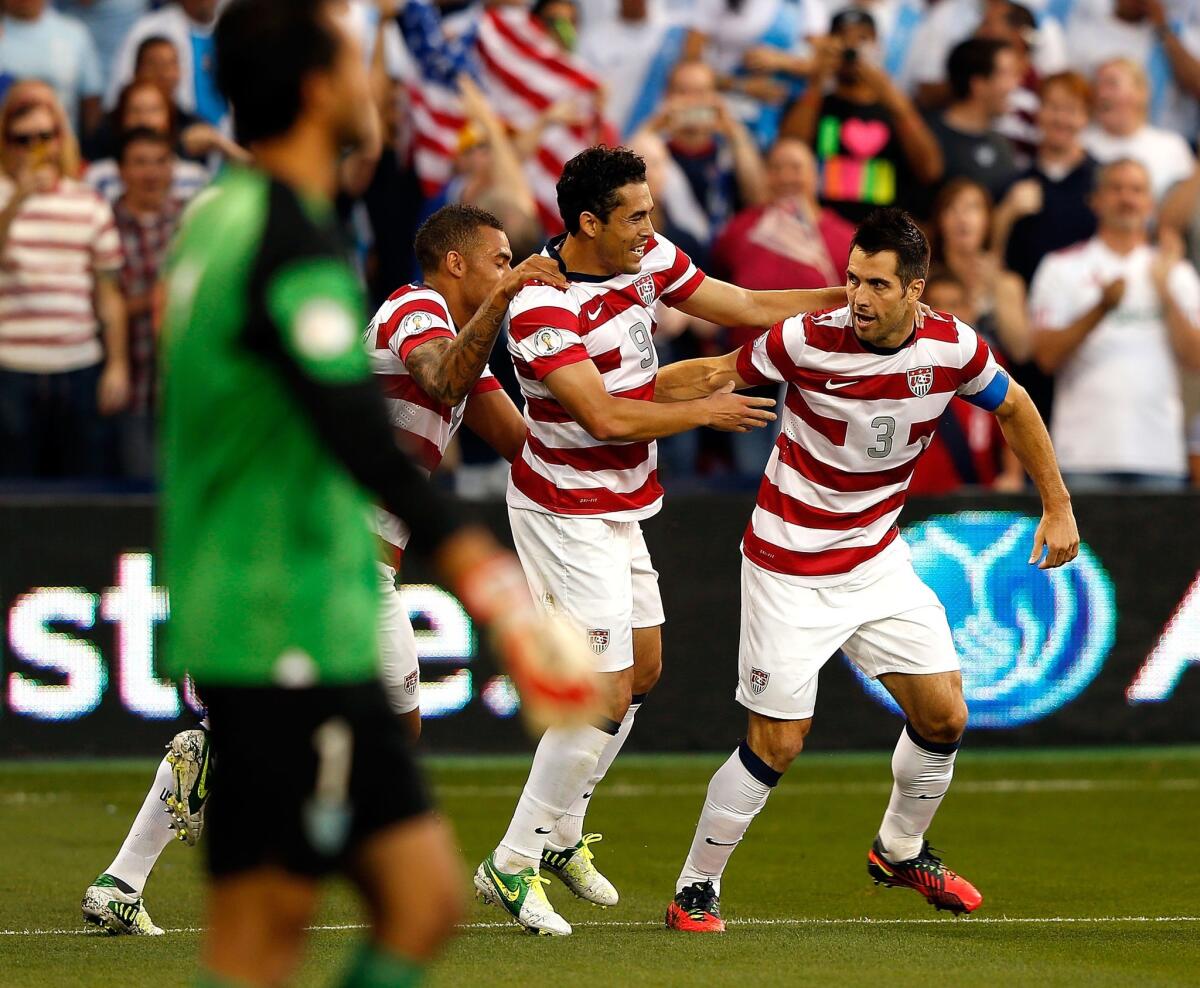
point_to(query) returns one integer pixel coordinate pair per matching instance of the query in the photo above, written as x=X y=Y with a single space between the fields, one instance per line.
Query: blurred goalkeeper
x=275 y=442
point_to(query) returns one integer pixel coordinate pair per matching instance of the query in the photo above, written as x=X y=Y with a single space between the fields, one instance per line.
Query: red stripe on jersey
x=410 y=343
x=796 y=512
x=941 y=327
x=824 y=563
x=543 y=367
x=609 y=361
x=404 y=388
x=484 y=385
x=546 y=410
x=587 y=501
x=684 y=291
x=745 y=366
x=531 y=320
x=977 y=362
x=835 y=479
x=590 y=458
x=829 y=338
x=43 y=289
x=778 y=355
x=920 y=430
x=874 y=387
x=420 y=449
x=832 y=429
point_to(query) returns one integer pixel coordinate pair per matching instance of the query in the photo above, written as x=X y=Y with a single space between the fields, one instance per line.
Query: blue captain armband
x=991 y=397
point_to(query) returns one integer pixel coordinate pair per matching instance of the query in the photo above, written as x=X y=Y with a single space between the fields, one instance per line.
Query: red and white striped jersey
x=412 y=315
x=855 y=422
x=610 y=321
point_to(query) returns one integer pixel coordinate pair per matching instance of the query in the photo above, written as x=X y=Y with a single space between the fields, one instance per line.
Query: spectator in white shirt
x=1120 y=128
x=1115 y=317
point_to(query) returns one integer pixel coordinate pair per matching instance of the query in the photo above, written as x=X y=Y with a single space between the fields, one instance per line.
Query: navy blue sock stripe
x=936 y=747
x=608 y=726
x=638 y=698
x=757 y=767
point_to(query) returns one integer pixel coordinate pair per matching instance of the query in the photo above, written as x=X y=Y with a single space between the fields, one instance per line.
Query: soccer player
x=434 y=380
x=824 y=567
x=584 y=480
x=268 y=558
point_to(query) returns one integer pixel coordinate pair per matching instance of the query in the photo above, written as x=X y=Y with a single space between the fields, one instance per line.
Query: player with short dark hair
x=824 y=567
x=273 y=433
x=587 y=476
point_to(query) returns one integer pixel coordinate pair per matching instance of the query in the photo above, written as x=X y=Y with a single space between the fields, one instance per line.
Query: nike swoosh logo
x=539 y=830
x=202 y=782
x=721 y=843
x=511 y=895
x=595 y=314
x=835 y=386
x=587 y=795
x=938 y=796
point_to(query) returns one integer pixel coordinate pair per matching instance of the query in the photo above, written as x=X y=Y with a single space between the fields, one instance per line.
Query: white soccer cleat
x=117 y=911
x=189 y=756
x=522 y=896
x=574 y=868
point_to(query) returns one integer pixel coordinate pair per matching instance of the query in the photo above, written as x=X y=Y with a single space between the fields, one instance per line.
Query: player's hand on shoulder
x=535 y=268
x=731 y=412
x=1056 y=540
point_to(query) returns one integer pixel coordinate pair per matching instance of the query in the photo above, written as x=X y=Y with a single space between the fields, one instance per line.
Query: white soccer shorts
x=885 y=620
x=596 y=573
x=401 y=672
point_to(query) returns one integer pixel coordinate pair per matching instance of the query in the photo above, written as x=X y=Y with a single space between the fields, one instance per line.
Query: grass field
x=1086 y=861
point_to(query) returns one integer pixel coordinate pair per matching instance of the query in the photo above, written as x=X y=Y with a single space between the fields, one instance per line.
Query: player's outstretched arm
x=1026 y=435
x=446 y=369
x=494 y=418
x=689 y=379
x=580 y=390
x=728 y=305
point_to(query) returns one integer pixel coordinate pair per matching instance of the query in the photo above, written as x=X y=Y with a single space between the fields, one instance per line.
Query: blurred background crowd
x=1048 y=146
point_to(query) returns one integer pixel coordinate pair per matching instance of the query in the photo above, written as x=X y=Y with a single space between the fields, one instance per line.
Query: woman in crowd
x=959 y=235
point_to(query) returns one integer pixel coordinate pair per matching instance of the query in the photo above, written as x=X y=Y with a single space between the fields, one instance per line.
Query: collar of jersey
x=885 y=351
x=552 y=248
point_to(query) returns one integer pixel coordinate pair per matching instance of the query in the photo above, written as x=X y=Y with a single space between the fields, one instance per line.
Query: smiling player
x=824 y=567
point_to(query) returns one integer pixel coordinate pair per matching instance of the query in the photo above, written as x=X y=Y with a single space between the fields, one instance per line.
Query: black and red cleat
x=942 y=888
x=696 y=909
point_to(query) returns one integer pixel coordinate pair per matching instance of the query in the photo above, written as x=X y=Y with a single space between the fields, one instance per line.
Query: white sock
x=568 y=831
x=564 y=761
x=150 y=834
x=736 y=794
x=922 y=770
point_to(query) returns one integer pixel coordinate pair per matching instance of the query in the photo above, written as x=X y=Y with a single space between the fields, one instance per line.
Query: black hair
x=851 y=16
x=972 y=59
x=264 y=51
x=453 y=227
x=147 y=44
x=590 y=181
x=895 y=230
x=139 y=135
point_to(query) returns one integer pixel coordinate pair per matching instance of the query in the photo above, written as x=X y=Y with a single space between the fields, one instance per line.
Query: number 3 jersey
x=609 y=321
x=412 y=315
x=855 y=421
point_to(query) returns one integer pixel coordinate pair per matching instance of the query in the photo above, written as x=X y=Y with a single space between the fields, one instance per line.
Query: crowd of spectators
x=1049 y=146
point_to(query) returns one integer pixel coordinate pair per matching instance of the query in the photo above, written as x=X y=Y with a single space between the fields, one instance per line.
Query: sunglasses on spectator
x=32 y=140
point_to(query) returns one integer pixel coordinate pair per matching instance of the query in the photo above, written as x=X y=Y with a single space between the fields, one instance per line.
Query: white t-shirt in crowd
x=1098 y=35
x=730 y=34
x=1165 y=154
x=1117 y=401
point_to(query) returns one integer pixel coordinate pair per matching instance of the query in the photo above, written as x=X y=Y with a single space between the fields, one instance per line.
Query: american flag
x=522 y=72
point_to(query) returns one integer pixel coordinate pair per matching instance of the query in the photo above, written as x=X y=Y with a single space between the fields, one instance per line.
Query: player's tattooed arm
x=1026 y=436
x=688 y=379
x=446 y=370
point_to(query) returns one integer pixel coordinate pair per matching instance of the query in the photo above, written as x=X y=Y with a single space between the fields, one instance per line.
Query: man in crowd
x=871 y=143
x=1114 y=318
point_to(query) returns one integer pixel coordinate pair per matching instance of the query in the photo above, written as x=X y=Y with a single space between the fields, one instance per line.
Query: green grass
x=1082 y=835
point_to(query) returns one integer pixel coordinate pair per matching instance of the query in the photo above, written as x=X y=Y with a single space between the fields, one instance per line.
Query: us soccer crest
x=758 y=680
x=598 y=639
x=410 y=682
x=920 y=380
x=645 y=289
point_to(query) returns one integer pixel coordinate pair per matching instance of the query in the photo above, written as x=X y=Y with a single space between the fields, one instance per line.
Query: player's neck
x=1121 y=241
x=579 y=256
x=895 y=339
x=305 y=158
x=449 y=290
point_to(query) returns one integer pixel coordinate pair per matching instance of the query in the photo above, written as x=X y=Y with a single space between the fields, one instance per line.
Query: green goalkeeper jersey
x=265 y=540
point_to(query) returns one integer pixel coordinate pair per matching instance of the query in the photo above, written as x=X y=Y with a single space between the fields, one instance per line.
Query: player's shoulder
x=824 y=328
x=942 y=327
x=536 y=296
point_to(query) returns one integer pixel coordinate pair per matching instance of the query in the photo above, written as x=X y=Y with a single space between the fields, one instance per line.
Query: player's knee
x=779 y=745
x=944 y=724
x=646 y=675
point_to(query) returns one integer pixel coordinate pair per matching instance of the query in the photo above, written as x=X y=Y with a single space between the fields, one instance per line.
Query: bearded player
x=824 y=567
x=586 y=478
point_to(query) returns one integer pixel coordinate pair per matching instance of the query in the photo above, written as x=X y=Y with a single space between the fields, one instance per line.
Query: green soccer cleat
x=188 y=754
x=522 y=896
x=118 y=912
x=574 y=868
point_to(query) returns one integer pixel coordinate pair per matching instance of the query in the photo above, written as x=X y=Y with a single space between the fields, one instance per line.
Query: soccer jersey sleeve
x=982 y=381
x=543 y=331
x=681 y=279
x=418 y=319
x=775 y=355
x=487 y=382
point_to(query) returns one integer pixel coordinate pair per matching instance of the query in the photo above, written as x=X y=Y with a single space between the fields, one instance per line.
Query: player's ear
x=456 y=264
x=916 y=288
x=589 y=224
